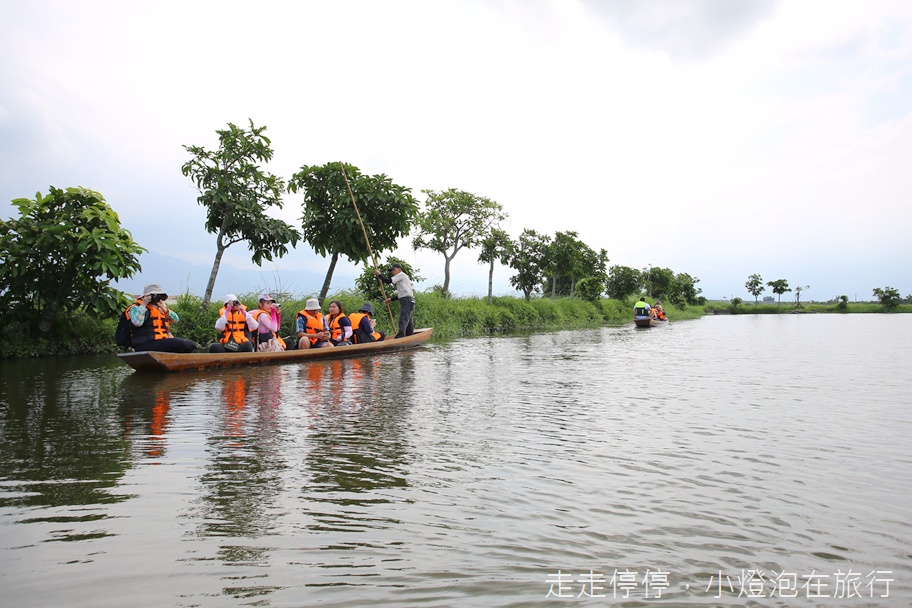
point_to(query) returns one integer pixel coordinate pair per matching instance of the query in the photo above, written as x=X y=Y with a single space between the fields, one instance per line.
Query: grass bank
x=749 y=308
x=451 y=318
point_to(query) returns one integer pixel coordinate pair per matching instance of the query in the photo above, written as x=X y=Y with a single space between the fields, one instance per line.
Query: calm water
x=676 y=466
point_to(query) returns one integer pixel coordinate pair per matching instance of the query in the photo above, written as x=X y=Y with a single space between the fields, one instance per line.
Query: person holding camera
x=152 y=319
x=311 y=327
x=236 y=325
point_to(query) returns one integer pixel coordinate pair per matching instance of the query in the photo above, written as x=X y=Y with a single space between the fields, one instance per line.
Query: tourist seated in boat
x=642 y=310
x=364 y=326
x=339 y=325
x=268 y=319
x=311 y=327
x=236 y=325
x=658 y=312
x=152 y=319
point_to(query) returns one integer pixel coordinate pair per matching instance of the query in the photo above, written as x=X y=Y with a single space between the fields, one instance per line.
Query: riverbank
x=78 y=334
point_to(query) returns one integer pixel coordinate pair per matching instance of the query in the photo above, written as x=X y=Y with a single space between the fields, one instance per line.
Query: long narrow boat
x=649 y=322
x=149 y=361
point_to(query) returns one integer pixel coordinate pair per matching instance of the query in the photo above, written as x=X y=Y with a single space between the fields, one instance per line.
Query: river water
x=743 y=461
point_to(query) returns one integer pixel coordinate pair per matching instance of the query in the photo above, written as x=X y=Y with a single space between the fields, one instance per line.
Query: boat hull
x=150 y=361
x=649 y=322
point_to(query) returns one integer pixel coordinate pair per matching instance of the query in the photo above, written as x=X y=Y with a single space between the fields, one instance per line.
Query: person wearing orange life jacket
x=268 y=323
x=364 y=326
x=658 y=312
x=311 y=327
x=235 y=323
x=152 y=321
x=339 y=325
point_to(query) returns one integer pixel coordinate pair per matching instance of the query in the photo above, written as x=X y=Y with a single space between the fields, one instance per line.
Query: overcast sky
x=712 y=137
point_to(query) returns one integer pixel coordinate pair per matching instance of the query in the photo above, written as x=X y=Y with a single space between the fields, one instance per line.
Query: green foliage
x=570 y=260
x=368 y=284
x=779 y=287
x=843 y=303
x=495 y=246
x=659 y=282
x=454 y=219
x=236 y=193
x=529 y=258
x=888 y=297
x=735 y=303
x=684 y=290
x=61 y=256
x=590 y=289
x=331 y=223
x=623 y=282
x=754 y=286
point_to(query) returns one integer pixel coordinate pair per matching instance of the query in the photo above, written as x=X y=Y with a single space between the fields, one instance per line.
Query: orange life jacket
x=264 y=335
x=236 y=328
x=312 y=325
x=157 y=325
x=335 y=329
x=355 y=319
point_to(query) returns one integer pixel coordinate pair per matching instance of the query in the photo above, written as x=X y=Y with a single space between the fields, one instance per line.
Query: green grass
x=450 y=318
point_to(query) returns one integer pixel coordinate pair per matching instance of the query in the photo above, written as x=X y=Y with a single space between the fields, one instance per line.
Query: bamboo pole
x=367 y=240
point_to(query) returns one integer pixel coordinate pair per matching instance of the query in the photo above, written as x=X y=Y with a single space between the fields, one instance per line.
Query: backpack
x=124 y=334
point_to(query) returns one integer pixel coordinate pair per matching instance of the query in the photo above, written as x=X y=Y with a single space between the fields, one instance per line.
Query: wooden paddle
x=367 y=240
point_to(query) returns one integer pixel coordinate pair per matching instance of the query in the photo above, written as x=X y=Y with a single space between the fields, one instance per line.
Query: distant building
x=769 y=300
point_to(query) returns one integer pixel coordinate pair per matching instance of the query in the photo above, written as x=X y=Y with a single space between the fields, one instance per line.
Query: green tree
x=798 y=291
x=888 y=297
x=236 y=193
x=843 y=302
x=529 y=258
x=659 y=282
x=779 y=287
x=684 y=290
x=330 y=223
x=571 y=260
x=623 y=282
x=754 y=286
x=61 y=255
x=590 y=289
x=495 y=247
x=454 y=219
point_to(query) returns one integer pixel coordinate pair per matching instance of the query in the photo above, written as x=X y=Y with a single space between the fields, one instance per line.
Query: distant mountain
x=177 y=276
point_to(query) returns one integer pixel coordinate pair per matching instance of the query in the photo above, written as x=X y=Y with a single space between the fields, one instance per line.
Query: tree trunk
x=207 y=297
x=446 y=275
x=329 y=274
x=491 y=283
x=553 y=286
x=47 y=318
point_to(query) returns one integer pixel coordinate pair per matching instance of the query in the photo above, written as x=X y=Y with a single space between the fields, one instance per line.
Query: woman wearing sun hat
x=152 y=319
x=311 y=327
x=267 y=317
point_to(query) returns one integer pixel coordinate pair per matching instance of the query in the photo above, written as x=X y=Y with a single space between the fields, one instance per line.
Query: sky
x=711 y=137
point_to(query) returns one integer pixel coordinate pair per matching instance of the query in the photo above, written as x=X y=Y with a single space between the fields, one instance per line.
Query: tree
x=779 y=287
x=623 y=282
x=571 y=260
x=888 y=297
x=755 y=287
x=454 y=219
x=236 y=193
x=798 y=291
x=494 y=247
x=659 y=282
x=684 y=290
x=330 y=224
x=529 y=258
x=61 y=255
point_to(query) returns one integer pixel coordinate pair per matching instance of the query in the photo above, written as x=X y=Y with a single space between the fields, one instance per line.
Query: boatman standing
x=406 y=298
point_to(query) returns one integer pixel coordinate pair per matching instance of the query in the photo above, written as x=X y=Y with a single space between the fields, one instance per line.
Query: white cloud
x=714 y=138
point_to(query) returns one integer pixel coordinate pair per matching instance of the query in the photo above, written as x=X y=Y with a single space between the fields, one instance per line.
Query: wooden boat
x=649 y=322
x=150 y=361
